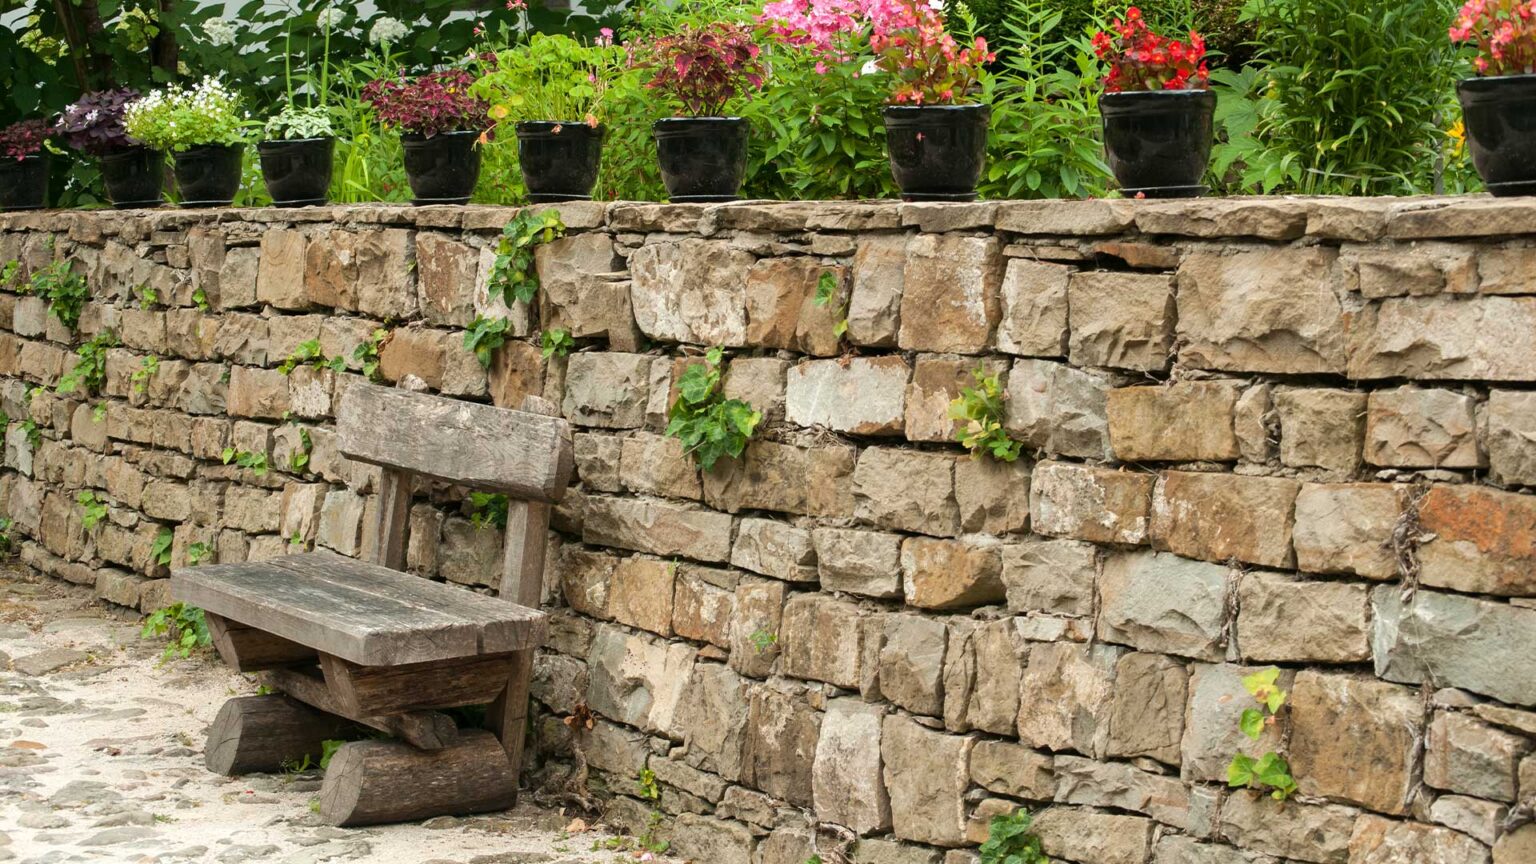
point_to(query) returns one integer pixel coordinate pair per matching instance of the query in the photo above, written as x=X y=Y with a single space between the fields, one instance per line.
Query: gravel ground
x=101 y=760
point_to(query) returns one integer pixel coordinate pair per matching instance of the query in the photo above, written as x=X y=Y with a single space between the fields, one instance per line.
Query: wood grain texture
x=393 y=515
x=527 y=456
x=428 y=730
x=376 y=782
x=361 y=612
x=262 y=733
x=371 y=690
x=247 y=649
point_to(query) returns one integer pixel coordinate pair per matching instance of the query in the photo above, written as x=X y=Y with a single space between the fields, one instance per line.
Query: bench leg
x=508 y=715
x=377 y=782
x=260 y=733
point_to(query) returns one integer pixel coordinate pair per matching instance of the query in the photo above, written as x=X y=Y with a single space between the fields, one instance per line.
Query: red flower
x=1142 y=60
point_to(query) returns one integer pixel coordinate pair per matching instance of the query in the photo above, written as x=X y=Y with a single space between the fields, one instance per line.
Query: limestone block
x=1334 y=755
x=1316 y=833
x=1285 y=620
x=1468 y=756
x=1051 y=576
x=1217 y=517
x=1388 y=841
x=874 y=306
x=703 y=604
x=912 y=663
x=1159 y=602
x=1147 y=710
x=1455 y=641
x=907 y=490
x=609 y=390
x=1097 y=505
x=1347 y=528
x=1103 y=838
x=656 y=465
x=926 y=774
x=937 y=381
x=641 y=593
x=813 y=481
x=1212 y=735
x=1416 y=428
x=1445 y=338
x=1121 y=320
x=1071 y=688
x=820 y=639
x=1034 y=309
x=782 y=734
x=1187 y=421
x=858 y=562
x=637 y=681
x=846 y=776
x=775 y=549
x=860 y=396
x=1484 y=540
x=983 y=664
x=693 y=291
x=1321 y=428
x=1511 y=444
x=950 y=293
x=1058 y=408
x=951 y=574
x=658 y=527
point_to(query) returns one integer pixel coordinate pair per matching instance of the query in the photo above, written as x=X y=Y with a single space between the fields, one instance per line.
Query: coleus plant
x=703 y=67
x=1504 y=32
x=431 y=105
x=94 y=124
x=20 y=140
x=1142 y=60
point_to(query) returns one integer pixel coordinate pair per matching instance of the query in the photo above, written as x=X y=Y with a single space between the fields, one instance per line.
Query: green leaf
x=1252 y=723
x=1240 y=771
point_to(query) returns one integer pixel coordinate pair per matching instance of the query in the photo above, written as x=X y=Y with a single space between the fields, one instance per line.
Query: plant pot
x=559 y=159
x=1500 y=119
x=442 y=169
x=703 y=159
x=1159 y=141
x=135 y=177
x=937 y=151
x=208 y=175
x=298 y=172
x=24 y=182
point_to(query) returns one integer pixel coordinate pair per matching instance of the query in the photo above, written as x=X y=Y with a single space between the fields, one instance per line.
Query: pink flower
x=517 y=4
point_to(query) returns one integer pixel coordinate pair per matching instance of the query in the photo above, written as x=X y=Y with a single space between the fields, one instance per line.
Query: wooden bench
x=353 y=643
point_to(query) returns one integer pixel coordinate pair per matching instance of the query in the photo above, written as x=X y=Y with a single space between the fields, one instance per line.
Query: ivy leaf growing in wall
x=489 y=509
x=708 y=424
x=762 y=640
x=826 y=294
x=367 y=353
x=148 y=367
x=647 y=786
x=484 y=336
x=556 y=343
x=5 y=537
x=148 y=297
x=161 y=548
x=1263 y=686
x=90 y=373
x=65 y=291
x=1269 y=771
x=197 y=552
x=513 y=275
x=92 y=509
x=8 y=273
x=200 y=300
x=980 y=408
x=1252 y=723
x=299 y=459
x=255 y=462
x=309 y=353
x=1010 y=841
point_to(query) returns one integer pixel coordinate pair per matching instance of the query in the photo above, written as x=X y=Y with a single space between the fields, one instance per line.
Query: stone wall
x=1289 y=432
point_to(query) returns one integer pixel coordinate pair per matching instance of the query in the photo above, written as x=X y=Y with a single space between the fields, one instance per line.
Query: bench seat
x=364 y=613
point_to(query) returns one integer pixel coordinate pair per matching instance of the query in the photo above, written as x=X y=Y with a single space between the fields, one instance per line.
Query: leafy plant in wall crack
x=484 y=336
x=555 y=343
x=183 y=626
x=826 y=295
x=255 y=462
x=161 y=548
x=298 y=460
x=90 y=373
x=92 y=509
x=488 y=509
x=198 y=552
x=148 y=367
x=1269 y=771
x=980 y=408
x=8 y=273
x=367 y=354
x=513 y=275
x=1009 y=841
x=6 y=544
x=308 y=353
x=200 y=300
x=708 y=424
x=65 y=291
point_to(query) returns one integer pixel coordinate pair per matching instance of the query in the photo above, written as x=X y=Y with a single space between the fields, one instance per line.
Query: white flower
x=220 y=31
x=329 y=19
x=870 y=68
x=386 y=30
x=936 y=5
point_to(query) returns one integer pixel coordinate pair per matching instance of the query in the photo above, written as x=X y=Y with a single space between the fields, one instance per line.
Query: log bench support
x=360 y=644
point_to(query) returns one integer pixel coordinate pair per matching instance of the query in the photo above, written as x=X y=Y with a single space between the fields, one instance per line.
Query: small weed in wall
x=1010 y=841
x=826 y=295
x=484 y=336
x=488 y=509
x=7 y=546
x=555 y=343
x=708 y=424
x=197 y=553
x=308 y=353
x=161 y=548
x=513 y=275
x=980 y=408
x=256 y=463
x=65 y=291
x=89 y=374
x=148 y=367
x=366 y=354
x=1269 y=771
x=92 y=509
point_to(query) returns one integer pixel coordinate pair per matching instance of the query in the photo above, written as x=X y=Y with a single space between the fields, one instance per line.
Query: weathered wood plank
x=376 y=782
x=503 y=626
x=524 y=455
x=394 y=513
x=263 y=733
x=361 y=626
x=372 y=690
x=428 y=730
x=247 y=649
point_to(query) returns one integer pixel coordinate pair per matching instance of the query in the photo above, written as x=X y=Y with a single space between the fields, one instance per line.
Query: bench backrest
x=526 y=455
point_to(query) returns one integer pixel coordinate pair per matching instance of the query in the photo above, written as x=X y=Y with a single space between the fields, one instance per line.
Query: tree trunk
x=261 y=733
x=377 y=782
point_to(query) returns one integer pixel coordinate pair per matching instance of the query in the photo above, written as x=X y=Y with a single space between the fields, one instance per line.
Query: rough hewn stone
x=1059 y=409
x=1465 y=755
x=1282 y=619
x=982 y=667
x=938 y=380
x=781 y=738
x=1387 y=841
x=1511 y=446
x=1189 y=421
x=1305 y=832
x=704 y=604
x=1097 y=838
x=1334 y=755
x=658 y=527
x=1147 y=710
x=1098 y=505
x=1121 y=320
x=1455 y=641
x=1070 y=689
x=846 y=777
x=1159 y=602
x=693 y=291
x=1012 y=769
x=1347 y=528
x=641 y=594
x=814 y=481
x=1320 y=428
x=712 y=717
x=859 y=396
x=820 y=639
x=782 y=311
x=1415 y=428
x=1217 y=517
x=912 y=663
x=1051 y=576
x=1212 y=734
x=926 y=773
x=1034 y=309
x=859 y=562
x=1445 y=337
x=775 y=549
x=949 y=298
x=607 y=389
x=637 y=681
x=951 y=574
x=906 y=490
x=1484 y=540
x=874 y=305
x=1123 y=787
x=993 y=496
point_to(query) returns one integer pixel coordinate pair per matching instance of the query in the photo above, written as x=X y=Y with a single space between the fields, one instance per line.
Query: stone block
x=781 y=736
x=1012 y=769
x=1333 y=754
x=1121 y=320
x=386 y=278
x=982 y=667
x=712 y=717
x=1178 y=849
x=703 y=604
x=951 y=574
x=1123 y=787
x=993 y=496
x=858 y=562
x=1511 y=447
x=775 y=549
x=1517 y=846
x=950 y=293
x=1467 y=756
x=1034 y=309
x=609 y=390
x=1059 y=409
x=1186 y=421
x=1445 y=338
x=859 y=396
x=1484 y=540
x=846 y=776
x=1315 y=833
x=641 y=593
x=280 y=278
x=1097 y=505
x=1218 y=517
x=1147 y=709
x=585 y=577
x=580 y=289
x=758 y=610
x=759 y=382
x=926 y=774
x=907 y=490
x=694 y=292
x=260 y=393
x=1096 y=838
x=1321 y=428
x=1212 y=735
x=658 y=527
x=656 y=465
x=874 y=304
x=812 y=481
x=781 y=305
x=1347 y=528
x=637 y=681
x=912 y=663
x=937 y=381
x=873 y=850
x=821 y=639
x=703 y=838
x=598 y=460
x=1276 y=310
x=1159 y=602
x=1070 y=690
x=445 y=276
x=1282 y=619
x=1414 y=428
x=1388 y=841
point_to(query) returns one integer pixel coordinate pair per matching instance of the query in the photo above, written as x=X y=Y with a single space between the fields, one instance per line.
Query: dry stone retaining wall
x=1290 y=432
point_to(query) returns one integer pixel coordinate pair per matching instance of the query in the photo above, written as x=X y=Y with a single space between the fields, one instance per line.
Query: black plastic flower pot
x=1159 y=141
x=703 y=159
x=442 y=169
x=208 y=175
x=1500 y=119
x=24 y=182
x=937 y=151
x=135 y=177
x=559 y=159
x=297 y=173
